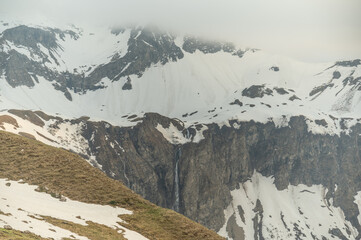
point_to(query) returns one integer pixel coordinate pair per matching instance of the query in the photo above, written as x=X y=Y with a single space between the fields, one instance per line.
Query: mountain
x=250 y=144
x=62 y=196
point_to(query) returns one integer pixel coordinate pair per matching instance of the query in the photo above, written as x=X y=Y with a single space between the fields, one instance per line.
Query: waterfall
x=187 y=135
x=177 y=156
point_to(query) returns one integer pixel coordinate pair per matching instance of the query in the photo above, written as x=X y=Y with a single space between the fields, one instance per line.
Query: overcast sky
x=309 y=30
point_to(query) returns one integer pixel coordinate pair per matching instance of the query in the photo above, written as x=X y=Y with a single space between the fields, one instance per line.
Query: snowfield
x=201 y=88
x=22 y=208
x=296 y=211
x=195 y=90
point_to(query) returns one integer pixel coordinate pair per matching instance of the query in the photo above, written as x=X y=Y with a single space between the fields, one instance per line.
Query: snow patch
x=20 y=201
x=358 y=202
x=172 y=134
x=175 y=136
x=301 y=207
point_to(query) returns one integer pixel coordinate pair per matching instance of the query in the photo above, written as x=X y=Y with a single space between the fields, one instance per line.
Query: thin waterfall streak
x=176 y=180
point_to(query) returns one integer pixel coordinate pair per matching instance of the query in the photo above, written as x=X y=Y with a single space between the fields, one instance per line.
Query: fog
x=308 y=30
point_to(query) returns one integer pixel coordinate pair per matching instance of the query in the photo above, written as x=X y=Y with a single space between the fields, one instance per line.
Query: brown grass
x=91 y=231
x=17 y=235
x=27 y=135
x=68 y=174
x=45 y=116
x=8 y=119
x=28 y=115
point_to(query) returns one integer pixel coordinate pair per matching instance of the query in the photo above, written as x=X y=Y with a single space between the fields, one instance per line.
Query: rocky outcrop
x=31 y=37
x=256 y=91
x=145 y=161
x=22 y=68
x=196 y=178
x=352 y=63
x=191 y=44
x=146 y=46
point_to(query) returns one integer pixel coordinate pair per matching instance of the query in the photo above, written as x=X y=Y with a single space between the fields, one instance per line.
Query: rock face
x=145 y=47
x=38 y=48
x=191 y=44
x=145 y=161
x=256 y=91
x=27 y=53
x=193 y=165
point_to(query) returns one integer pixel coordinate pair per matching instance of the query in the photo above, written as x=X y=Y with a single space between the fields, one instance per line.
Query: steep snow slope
x=298 y=212
x=204 y=85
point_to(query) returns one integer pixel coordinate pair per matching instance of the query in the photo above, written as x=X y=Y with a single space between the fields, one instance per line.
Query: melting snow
x=358 y=202
x=20 y=201
x=174 y=136
x=194 y=84
x=301 y=205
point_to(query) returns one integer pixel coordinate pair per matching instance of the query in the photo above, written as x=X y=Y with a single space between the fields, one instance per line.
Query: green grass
x=68 y=174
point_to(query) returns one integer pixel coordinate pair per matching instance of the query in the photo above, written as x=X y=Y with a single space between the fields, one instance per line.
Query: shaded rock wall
x=208 y=170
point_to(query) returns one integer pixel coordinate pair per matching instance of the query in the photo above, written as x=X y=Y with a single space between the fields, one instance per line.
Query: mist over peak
x=320 y=30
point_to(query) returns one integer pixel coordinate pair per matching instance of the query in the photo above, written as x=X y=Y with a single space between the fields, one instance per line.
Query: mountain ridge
x=195 y=125
x=209 y=76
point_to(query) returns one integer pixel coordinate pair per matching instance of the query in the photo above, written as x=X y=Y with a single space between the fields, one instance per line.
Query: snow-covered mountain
x=112 y=73
x=245 y=142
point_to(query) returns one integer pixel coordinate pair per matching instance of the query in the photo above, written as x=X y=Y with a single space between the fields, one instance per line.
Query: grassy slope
x=16 y=235
x=68 y=174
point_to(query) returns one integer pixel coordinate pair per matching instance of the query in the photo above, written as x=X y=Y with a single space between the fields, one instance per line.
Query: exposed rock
x=336 y=75
x=256 y=91
x=30 y=37
x=258 y=221
x=191 y=44
x=142 y=159
x=321 y=122
x=275 y=69
x=234 y=231
x=146 y=46
x=294 y=97
x=128 y=84
x=321 y=88
x=8 y=227
x=336 y=232
x=28 y=115
x=241 y=213
x=20 y=69
x=62 y=199
x=350 y=80
x=269 y=106
x=280 y=91
x=236 y=102
x=352 y=63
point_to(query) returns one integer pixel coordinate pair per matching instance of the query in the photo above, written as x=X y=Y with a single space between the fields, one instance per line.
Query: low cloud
x=310 y=30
